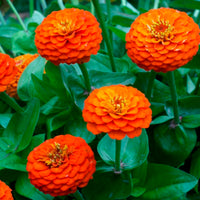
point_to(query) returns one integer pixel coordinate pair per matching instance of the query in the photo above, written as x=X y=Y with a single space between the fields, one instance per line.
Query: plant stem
x=61 y=5
x=43 y=4
x=156 y=4
x=86 y=76
x=31 y=7
x=105 y=34
x=48 y=131
x=108 y=5
x=11 y=102
x=78 y=195
x=117 y=156
x=174 y=96
x=2 y=19
x=1 y=50
x=17 y=15
x=150 y=84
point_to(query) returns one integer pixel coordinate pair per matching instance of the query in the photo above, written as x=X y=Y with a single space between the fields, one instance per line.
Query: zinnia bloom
x=7 y=70
x=60 y=165
x=5 y=191
x=162 y=39
x=117 y=110
x=21 y=63
x=68 y=36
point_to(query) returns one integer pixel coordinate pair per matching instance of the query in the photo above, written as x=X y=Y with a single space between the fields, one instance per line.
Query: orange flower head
x=59 y=165
x=21 y=63
x=68 y=36
x=162 y=40
x=117 y=110
x=7 y=71
x=5 y=191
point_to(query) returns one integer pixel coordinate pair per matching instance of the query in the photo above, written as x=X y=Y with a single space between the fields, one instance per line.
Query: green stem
x=2 y=19
x=43 y=4
x=117 y=156
x=174 y=96
x=11 y=102
x=108 y=5
x=1 y=50
x=105 y=34
x=17 y=15
x=31 y=7
x=150 y=84
x=78 y=195
x=61 y=5
x=156 y=4
x=48 y=131
x=86 y=76
x=197 y=86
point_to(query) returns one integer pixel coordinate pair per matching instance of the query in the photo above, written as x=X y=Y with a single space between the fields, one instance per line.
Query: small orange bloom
x=5 y=191
x=162 y=39
x=117 y=110
x=68 y=36
x=7 y=70
x=21 y=63
x=60 y=165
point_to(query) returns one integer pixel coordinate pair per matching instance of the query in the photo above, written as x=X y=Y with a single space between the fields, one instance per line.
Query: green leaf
x=4 y=119
x=100 y=79
x=161 y=119
x=121 y=34
x=192 y=4
x=22 y=125
x=123 y=19
x=167 y=183
x=191 y=121
x=108 y=186
x=173 y=144
x=157 y=108
x=77 y=127
x=23 y=43
x=37 y=18
x=190 y=85
x=187 y=106
x=134 y=151
x=25 y=88
x=26 y=189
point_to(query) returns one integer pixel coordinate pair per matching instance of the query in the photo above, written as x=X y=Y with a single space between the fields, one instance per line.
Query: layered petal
x=5 y=192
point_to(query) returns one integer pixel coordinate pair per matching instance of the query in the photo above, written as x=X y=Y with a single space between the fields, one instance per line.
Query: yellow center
x=161 y=30
x=118 y=104
x=56 y=156
x=65 y=27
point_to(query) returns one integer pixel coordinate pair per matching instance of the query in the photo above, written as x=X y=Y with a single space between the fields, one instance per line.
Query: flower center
x=118 y=104
x=56 y=156
x=161 y=30
x=65 y=27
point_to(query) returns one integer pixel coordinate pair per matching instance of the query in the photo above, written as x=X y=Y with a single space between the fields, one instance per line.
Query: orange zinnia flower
x=7 y=70
x=5 y=191
x=21 y=63
x=162 y=39
x=117 y=110
x=60 y=165
x=68 y=36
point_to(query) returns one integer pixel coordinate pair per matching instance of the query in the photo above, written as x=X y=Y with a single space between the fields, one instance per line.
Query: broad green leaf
x=167 y=183
x=26 y=189
x=23 y=43
x=25 y=88
x=12 y=161
x=190 y=85
x=171 y=144
x=123 y=19
x=4 y=119
x=134 y=151
x=37 y=18
x=100 y=79
x=22 y=125
x=108 y=186
x=192 y=4
x=191 y=121
x=157 y=108
x=187 y=106
x=101 y=167
x=121 y=34
x=77 y=127
x=161 y=119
